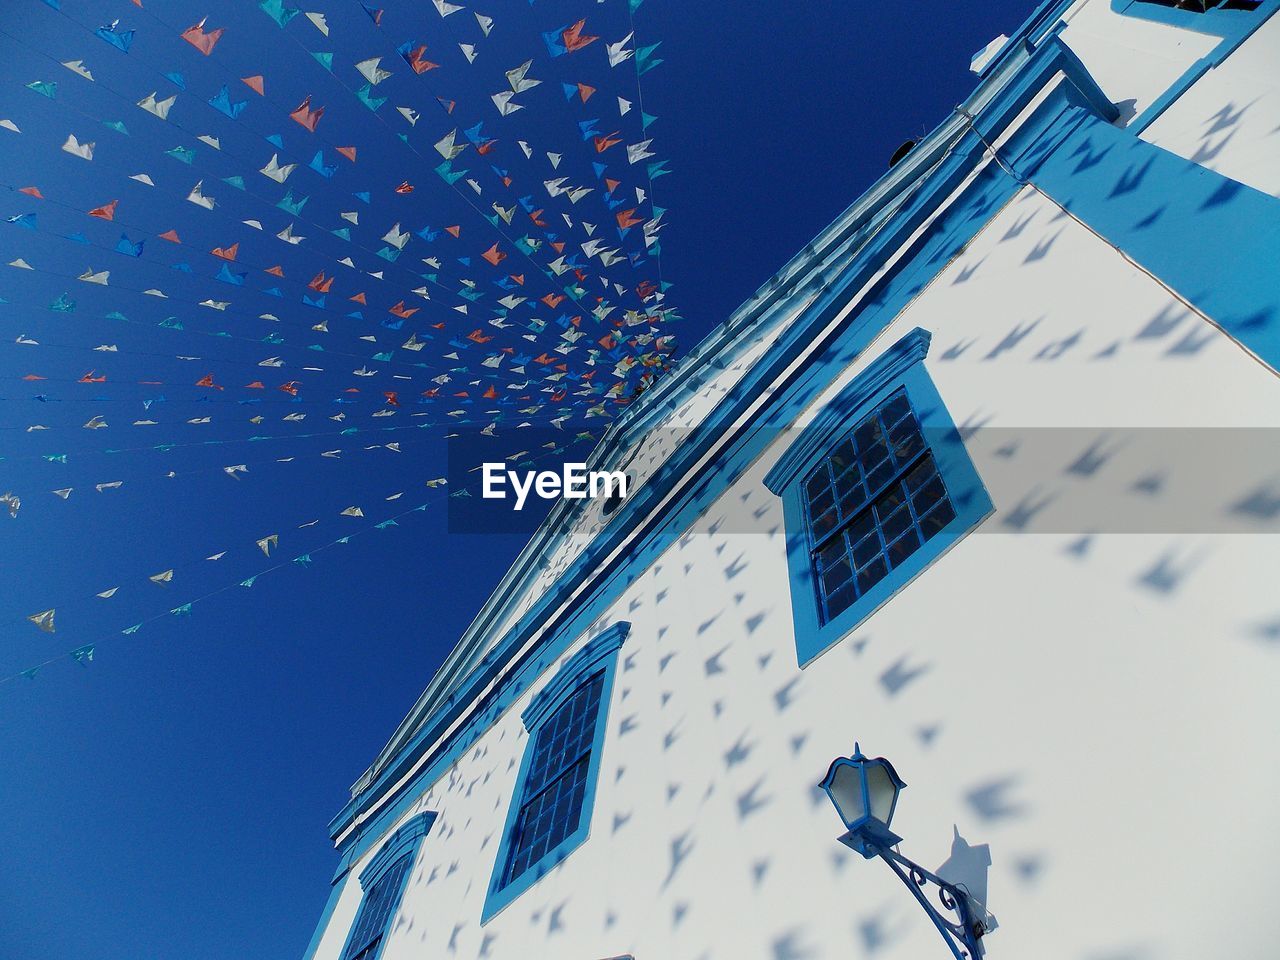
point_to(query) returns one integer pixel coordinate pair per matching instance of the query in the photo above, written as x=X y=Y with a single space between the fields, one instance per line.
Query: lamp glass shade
x=846 y=792
x=882 y=791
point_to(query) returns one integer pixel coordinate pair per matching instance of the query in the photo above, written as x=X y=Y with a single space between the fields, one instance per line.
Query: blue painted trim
x=600 y=655
x=1214 y=241
x=1045 y=21
x=322 y=927
x=566 y=679
x=1216 y=21
x=899 y=367
x=403 y=843
x=1233 y=26
x=952 y=155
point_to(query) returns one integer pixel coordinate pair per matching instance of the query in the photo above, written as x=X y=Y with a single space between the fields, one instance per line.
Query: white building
x=1056 y=305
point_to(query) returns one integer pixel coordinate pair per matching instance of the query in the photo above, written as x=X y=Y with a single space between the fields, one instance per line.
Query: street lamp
x=864 y=792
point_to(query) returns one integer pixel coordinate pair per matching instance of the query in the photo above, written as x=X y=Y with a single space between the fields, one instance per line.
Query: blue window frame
x=383 y=884
x=550 y=812
x=1221 y=18
x=874 y=489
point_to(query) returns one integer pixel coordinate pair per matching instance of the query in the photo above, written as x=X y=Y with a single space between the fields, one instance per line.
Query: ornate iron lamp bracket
x=959 y=920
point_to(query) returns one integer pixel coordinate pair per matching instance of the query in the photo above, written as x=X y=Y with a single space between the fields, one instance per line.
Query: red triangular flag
x=105 y=212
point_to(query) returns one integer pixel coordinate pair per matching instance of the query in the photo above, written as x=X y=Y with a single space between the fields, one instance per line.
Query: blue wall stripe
x=1213 y=240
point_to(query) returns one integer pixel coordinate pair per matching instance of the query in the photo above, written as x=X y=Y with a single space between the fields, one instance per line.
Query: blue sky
x=169 y=799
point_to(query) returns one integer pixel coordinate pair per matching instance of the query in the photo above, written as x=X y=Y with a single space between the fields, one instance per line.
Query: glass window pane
x=836 y=576
x=842 y=458
x=938 y=518
x=903 y=547
x=840 y=601
x=824 y=524
x=817 y=483
x=896 y=524
x=821 y=503
x=866 y=434
x=871 y=574
x=895 y=409
x=866 y=549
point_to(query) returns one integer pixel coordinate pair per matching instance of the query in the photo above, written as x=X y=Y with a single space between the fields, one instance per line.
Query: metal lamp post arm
x=965 y=929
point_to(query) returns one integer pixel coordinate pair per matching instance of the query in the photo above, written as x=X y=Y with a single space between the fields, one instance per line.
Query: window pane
x=866 y=549
x=821 y=503
x=871 y=575
x=817 y=484
x=842 y=458
x=894 y=525
x=938 y=518
x=903 y=547
x=824 y=524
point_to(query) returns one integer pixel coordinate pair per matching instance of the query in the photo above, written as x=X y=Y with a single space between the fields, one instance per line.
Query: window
x=871 y=504
x=550 y=812
x=375 y=912
x=383 y=883
x=555 y=786
x=1229 y=19
x=1204 y=6
x=874 y=489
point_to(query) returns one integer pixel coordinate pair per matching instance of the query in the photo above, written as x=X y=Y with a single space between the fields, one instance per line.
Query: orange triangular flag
x=227 y=253
x=276 y=271
x=348 y=152
x=204 y=42
x=105 y=212
x=359 y=298
x=573 y=38
x=494 y=255
x=456 y=230
x=32 y=192
x=585 y=91
x=171 y=236
x=254 y=83
x=307 y=116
